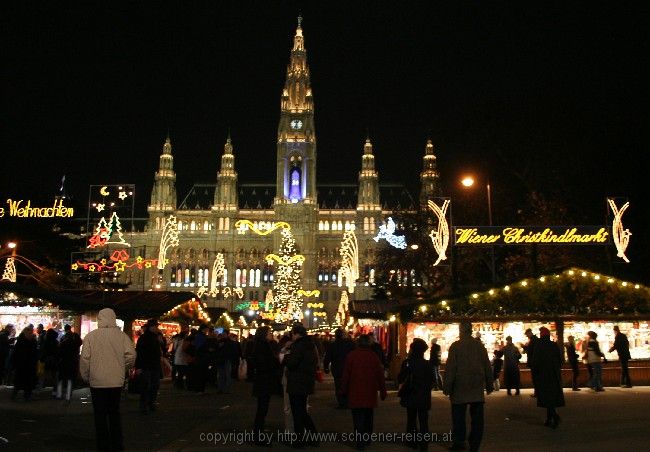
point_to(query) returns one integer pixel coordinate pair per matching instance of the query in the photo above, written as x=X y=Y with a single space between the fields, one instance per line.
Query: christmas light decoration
x=9 y=273
x=108 y=233
x=119 y=262
x=342 y=312
x=100 y=207
x=168 y=239
x=387 y=231
x=287 y=300
x=299 y=258
x=440 y=237
x=218 y=268
x=269 y=303
x=104 y=191
x=350 y=259
x=621 y=236
x=309 y=293
x=260 y=228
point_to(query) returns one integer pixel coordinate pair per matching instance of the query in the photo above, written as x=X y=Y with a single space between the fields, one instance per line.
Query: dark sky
x=553 y=91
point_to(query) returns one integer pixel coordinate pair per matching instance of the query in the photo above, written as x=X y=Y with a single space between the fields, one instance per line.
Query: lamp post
x=468 y=181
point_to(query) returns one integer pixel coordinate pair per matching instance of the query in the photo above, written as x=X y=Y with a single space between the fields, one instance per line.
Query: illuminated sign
x=544 y=235
x=20 y=210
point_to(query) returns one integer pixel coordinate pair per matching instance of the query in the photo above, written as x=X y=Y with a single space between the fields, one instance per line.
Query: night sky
x=553 y=92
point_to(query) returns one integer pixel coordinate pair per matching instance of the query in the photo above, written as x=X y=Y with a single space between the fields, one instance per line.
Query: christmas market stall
x=569 y=303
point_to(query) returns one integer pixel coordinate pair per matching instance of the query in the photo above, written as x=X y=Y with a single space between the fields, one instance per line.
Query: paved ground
x=616 y=419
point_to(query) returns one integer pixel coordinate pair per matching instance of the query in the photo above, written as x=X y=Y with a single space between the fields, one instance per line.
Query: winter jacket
x=301 y=363
x=265 y=368
x=69 y=356
x=435 y=355
x=335 y=356
x=24 y=360
x=547 y=362
x=363 y=376
x=622 y=347
x=419 y=371
x=148 y=352
x=593 y=354
x=107 y=353
x=468 y=372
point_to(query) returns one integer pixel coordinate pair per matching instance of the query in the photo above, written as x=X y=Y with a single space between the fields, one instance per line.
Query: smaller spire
x=227 y=148
x=299 y=20
x=167 y=147
x=367 y=148
x=429 y=148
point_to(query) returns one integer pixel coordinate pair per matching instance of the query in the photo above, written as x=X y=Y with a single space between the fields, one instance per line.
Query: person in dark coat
x=547 y=363
x=363 y=377
x=266 y=373
x=198 y=372
x=69 y=349
x=148 y=355
x=622 y=347
x=497 y=365
x=49 y=356
x=6 y=339
x=435 y=357
x=301 y=362
x=511 y=357
x=228 y=356
x=416 y=379
x=529 y=350
x=335 y=361
x=572 y=357
x=376 y=347
x=24 y=361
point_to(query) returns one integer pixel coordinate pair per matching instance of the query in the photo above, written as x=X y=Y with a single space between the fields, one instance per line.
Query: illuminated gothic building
x=319 y=213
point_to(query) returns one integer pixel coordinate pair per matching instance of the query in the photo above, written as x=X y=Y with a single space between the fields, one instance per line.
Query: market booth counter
x=568 y=303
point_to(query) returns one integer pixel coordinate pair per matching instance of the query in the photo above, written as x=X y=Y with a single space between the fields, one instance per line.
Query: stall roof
x=124 y=303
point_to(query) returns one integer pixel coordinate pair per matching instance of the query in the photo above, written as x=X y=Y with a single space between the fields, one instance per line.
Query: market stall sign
x=543 y=235
x=22 y=209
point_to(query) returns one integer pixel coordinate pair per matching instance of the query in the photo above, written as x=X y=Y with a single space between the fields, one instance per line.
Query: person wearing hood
x=107 y=354
x=547 y=364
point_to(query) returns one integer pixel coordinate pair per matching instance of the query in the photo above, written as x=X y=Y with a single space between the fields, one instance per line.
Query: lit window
x=221 y=224
x=327 y=225
x=257 y=277
x=237 y=277
x=206 y=226
x=251 y=278
x=224 y=282
x=193 y=225
x=206 y=274
x=227 y=224
x=371 y=278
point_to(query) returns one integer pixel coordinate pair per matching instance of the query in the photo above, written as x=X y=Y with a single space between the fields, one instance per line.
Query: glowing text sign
x=543 y=235
x=20 y=209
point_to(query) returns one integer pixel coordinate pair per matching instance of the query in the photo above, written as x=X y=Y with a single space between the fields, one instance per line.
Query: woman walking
x=24 y=360
x=547 y=362
x=363 y=377
x=511 y=357
x=594 y=358
x=416 y=379
x=262 y=355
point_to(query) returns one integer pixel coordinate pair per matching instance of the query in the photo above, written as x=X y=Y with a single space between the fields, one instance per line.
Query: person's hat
x=298 y=328
x=544 y=332
x=152 y=322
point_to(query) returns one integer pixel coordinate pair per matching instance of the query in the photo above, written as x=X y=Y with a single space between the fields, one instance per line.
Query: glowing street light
x=467 y=182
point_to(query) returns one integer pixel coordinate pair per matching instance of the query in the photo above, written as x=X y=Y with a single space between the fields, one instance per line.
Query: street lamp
x=468 y=182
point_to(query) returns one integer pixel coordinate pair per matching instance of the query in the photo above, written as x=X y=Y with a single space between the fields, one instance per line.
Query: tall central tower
x=296 y=157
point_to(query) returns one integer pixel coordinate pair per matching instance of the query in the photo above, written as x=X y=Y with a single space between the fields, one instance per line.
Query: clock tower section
x=295 y=196
x=296 y=157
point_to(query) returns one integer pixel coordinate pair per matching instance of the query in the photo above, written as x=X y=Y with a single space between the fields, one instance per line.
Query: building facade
x=319 y=214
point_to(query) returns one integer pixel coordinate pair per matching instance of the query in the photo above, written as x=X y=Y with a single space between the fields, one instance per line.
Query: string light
x=260 y=228
x=168 y=239
x=350 y=259
x=119 y=262
x=9 y=273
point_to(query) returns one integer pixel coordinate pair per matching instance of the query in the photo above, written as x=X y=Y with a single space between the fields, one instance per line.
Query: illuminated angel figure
x=440 y=237
x=350 y=259
x=621 y=236
x=168 y=239
x=387 y=232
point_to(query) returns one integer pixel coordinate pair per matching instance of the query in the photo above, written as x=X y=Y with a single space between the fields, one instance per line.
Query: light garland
x=440 y=237
x=387 y=231
x=350 y=259
x=262 y=228
x=309 y=293
x=168 y=239
x=621 y=236
x=119 y=262
x=298 y=258
x=9 y=273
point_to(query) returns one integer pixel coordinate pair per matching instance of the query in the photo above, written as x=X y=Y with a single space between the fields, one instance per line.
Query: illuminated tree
x=115 y=231
x=288 y=302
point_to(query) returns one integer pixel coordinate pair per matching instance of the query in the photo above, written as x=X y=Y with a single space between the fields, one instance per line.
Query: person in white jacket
x=107 y=354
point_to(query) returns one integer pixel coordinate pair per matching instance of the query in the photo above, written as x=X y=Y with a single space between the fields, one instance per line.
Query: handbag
x=319 y=375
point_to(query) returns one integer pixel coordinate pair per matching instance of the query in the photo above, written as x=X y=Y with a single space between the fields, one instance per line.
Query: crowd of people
x=39 y=358
x=288 y=366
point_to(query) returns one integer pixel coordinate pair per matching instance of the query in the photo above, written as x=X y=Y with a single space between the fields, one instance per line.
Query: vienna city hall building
x=318 y=213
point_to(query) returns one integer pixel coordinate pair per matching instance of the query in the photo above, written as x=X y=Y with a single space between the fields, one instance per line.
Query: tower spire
x=429 y=177
x=225 y=196
x=368 y=198
x=163 y=195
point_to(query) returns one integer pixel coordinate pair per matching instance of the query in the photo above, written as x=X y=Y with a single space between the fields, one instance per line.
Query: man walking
x=148 y=365
x=622 y=347
x=529 y=350
x=106 y=356
x=572 y=357
x=335 y=361
x=434 y=361
x=301 y=362
x=468 y=374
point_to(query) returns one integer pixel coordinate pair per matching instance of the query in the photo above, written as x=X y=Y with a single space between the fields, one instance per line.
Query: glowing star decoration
x=440 y=237
x=122 y=195
x=350 y=259
x=168 y=239
x=387 y=232
x=260 y=228
x=100 y=207
x=621 y=236
x=9 y=273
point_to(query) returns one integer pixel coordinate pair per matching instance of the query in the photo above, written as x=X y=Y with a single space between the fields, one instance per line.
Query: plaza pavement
x=616 y=419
